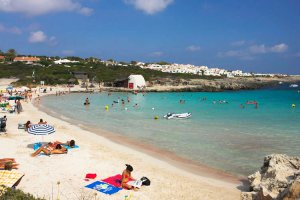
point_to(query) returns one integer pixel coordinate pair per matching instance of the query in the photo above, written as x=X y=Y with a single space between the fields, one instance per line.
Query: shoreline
x=102 y=156
x=166 y=156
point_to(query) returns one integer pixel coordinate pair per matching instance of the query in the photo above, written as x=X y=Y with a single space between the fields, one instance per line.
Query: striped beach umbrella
x=41 y=129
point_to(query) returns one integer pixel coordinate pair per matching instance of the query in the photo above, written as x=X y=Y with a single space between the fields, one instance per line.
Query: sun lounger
x=10 y=178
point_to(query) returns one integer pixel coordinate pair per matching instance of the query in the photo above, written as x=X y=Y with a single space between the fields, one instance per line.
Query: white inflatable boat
x=178 y=116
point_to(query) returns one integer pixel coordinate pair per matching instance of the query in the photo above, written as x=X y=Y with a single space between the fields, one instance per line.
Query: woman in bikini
x=126 y=176
x=51 y=148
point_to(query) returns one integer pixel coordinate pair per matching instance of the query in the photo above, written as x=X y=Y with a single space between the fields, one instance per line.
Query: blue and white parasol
x=41 y=129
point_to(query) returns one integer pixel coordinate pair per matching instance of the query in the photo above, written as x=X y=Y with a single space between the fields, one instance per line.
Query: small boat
x=280 y=82
x=178 y=116
x=293 y=85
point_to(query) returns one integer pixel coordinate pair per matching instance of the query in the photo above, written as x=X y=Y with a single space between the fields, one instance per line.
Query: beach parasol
x=9 y=87
x=41 y=129
x=15 y=97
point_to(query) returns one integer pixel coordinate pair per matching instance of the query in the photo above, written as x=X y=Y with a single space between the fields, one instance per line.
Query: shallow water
x=222 y=135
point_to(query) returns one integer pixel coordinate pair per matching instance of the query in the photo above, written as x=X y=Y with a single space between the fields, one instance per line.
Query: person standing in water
x=87 y=101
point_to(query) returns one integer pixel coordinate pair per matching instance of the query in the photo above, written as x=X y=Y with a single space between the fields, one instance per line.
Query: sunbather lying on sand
x=70 y=143
x=8 y=164
x=51 y=148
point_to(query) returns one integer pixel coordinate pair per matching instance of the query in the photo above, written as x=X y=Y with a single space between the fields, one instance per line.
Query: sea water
x=221 y=133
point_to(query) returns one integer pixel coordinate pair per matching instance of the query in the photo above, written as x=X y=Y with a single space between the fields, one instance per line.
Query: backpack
x=145 y=181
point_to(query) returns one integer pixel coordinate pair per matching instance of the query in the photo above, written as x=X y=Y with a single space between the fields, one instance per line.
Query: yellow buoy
x=156 y=117
x=106 y=107
x=293 y=105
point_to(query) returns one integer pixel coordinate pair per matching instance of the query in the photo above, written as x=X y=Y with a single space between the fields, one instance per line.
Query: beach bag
x=145 y=181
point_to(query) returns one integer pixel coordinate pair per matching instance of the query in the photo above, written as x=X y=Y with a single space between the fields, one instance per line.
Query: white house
x=64 y=61
x=136 y=82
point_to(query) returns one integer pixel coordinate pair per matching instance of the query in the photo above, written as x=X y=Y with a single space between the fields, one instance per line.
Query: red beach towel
x=114 y=180
x=90 y=176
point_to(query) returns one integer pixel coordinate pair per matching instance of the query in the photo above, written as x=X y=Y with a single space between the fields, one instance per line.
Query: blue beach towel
x=37 y=145
x=103 y=187
x=68 y=147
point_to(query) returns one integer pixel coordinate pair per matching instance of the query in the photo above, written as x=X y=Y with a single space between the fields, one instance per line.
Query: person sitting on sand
x=27 y=125
x=126 y=177
x=51 y=149
x=42 y=122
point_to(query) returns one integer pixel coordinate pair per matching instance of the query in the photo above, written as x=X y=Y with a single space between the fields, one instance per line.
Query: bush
x=12 y=194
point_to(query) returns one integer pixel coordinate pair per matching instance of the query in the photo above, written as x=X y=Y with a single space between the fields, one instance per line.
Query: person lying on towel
x=70 y=143
x=51 y=148
x=8 y=164
x=126 y=177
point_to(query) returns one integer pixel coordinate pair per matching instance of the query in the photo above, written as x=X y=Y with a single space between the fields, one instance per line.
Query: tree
x=1 y=53
x=133 y=62
x=10 y=55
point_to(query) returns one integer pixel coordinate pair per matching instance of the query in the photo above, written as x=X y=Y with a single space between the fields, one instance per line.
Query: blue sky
x=252 y=35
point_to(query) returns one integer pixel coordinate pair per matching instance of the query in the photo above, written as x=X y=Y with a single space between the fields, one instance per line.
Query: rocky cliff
x=278 y=179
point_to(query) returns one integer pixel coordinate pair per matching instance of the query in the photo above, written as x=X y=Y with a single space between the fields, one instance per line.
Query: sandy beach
x=102 y=156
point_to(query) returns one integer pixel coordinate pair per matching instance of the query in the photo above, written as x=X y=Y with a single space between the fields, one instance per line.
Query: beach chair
x=10 y=178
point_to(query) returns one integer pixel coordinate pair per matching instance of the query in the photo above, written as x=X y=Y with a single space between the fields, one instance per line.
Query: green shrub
x=16 y=194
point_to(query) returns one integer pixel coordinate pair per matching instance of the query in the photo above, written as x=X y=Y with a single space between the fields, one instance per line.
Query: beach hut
x=136 y=82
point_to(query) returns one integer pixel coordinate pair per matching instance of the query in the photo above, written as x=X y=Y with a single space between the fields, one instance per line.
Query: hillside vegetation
x=99 y=72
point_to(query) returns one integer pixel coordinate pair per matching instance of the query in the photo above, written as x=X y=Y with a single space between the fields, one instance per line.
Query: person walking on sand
x=19 y=106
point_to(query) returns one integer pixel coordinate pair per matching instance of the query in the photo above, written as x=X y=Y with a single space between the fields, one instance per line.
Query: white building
x=136 y=82
x=64 y=61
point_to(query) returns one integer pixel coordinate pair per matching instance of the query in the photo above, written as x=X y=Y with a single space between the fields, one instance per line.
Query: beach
x=105 y=157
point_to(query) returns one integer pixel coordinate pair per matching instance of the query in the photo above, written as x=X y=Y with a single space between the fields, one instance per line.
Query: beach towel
x=91 y=176
x=114 y=180
x=103 y=187
x=37 y=145
x=10 y=178
x=68 y=147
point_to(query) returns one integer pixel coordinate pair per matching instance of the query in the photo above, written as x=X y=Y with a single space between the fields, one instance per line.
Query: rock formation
x=279 y=178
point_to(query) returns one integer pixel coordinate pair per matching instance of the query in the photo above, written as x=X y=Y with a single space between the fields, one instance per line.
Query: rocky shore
x=278 y=178
x=213 y=85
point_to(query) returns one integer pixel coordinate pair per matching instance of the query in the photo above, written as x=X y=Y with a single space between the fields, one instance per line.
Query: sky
x=251 y=35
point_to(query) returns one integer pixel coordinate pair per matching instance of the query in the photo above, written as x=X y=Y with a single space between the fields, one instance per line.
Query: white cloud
x=13 y=30
x=38 y=36
x=193 y=48
x=41 y=37
x=279 y=48
x=150 y=6
x=40 y=7
x=261 y=49
x=258 y=49
x=157 y=54
x=249 y=53
x=68 y=52
x=241 y=54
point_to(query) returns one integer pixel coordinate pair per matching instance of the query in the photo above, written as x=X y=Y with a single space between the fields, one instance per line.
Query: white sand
x=103 y=157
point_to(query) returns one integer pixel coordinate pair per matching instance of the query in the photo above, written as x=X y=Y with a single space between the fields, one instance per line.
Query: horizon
x=250 y=36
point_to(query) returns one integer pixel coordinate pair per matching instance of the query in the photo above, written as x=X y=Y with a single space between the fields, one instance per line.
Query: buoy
x=106 y=107
x=153 y=108
x=293 y=105
x=126 y=108
x=155 y=117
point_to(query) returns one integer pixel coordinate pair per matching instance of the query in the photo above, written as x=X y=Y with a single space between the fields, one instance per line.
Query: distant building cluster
x=168 y=68
x=192 y=69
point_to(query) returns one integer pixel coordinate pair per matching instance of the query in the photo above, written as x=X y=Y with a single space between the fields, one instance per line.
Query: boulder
x=278 y=178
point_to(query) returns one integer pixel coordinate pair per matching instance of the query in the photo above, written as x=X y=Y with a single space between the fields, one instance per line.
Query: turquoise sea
x=221 y=135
